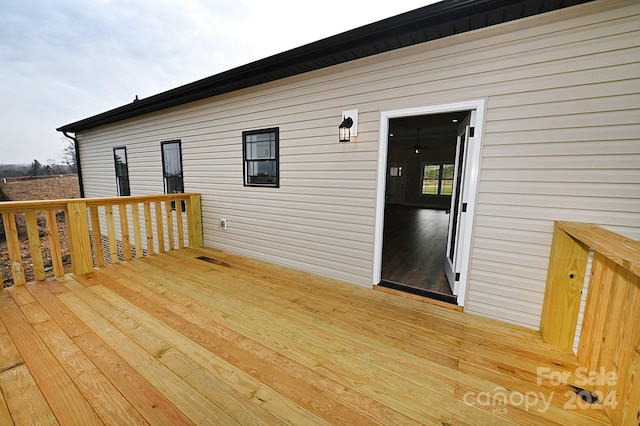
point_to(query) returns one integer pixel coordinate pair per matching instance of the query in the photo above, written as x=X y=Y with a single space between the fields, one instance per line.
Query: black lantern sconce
x=348 y=128
x=345 y=129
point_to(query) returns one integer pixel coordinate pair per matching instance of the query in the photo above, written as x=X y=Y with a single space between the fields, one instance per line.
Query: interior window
x=437 y=179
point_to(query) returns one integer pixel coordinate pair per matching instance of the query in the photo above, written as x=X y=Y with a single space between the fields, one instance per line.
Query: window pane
x=261 y=146
x=447 y=171
x=431 y=175
x=171 y=155
x=261 y=172
x=123 y=186
x=120 y=155
x=446 y=187
x=174 y=185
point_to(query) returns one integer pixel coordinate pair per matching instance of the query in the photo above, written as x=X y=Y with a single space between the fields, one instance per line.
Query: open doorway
x=429 y=161
x=421 y=159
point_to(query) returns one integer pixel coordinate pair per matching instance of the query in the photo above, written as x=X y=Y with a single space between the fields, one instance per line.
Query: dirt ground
x=42 y=188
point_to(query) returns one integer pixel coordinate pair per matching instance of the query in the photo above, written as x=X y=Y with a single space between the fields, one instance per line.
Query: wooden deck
x=173 y=339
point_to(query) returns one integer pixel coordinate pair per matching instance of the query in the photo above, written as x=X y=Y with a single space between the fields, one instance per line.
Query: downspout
x=78 y=167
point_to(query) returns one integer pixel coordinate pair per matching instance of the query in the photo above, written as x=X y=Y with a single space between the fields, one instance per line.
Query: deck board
x=171 y=339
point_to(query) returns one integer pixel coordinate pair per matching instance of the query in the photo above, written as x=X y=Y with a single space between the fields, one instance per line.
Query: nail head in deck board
x=63 y=396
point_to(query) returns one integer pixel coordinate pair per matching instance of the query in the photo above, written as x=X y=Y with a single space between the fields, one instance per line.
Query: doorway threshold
x=441 y=299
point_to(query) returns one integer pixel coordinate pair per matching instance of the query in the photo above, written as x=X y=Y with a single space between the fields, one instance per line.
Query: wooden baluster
x=179 y=223
x=159 y=226
x=169 y=213
x=54 y=243
x=194 y=221
x=13 y=245
x=79 y=243
x=34 y=245
x=148 y=225
x=137 y=233
x=124 y=231
x=111 y=233
x=97 y=236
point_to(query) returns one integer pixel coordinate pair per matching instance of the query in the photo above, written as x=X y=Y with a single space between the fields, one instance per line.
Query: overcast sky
x=65 y=60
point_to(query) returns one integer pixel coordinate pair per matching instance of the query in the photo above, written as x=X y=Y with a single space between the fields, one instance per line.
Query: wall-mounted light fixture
x=345 y=129
x=348 y=128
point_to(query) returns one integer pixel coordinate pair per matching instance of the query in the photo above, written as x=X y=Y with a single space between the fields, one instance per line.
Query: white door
x=459 y=205
x=396 y=183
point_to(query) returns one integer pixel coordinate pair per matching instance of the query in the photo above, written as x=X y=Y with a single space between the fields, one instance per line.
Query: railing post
x=194 y=221
x=79 y=242
x=565 y=279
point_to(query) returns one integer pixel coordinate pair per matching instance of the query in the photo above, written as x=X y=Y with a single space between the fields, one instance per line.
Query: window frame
x=164 y=175
x=119 y=176
x=441 y=167
x=165 y=178
x=245 y=168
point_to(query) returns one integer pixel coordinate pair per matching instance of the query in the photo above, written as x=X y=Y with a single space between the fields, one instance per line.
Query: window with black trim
x=172 y=167
x=122 y=170
x=261 y=157
x=437 y=179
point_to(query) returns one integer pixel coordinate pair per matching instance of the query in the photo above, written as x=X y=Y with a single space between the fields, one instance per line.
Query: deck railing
x=165 y=218
x=609 y=342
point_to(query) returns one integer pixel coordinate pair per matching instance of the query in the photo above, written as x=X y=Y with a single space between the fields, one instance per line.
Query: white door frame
x=473 y=167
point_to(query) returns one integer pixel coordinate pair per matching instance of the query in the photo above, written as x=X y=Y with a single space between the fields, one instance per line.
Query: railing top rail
x=623 y=251
x=20 y=206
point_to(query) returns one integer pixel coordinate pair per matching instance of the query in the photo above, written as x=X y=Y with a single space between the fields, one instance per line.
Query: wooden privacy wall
x=609 y=346
x=123 y=219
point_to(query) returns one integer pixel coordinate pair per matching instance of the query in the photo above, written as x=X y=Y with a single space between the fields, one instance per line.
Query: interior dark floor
x=414 y=247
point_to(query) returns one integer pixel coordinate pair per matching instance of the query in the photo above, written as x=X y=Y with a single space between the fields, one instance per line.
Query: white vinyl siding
x=560 y=143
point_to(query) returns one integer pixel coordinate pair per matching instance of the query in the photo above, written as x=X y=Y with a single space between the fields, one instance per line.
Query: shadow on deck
x=173 y=339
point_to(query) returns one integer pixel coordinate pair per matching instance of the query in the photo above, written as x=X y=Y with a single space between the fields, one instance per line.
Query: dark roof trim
x=438 y=20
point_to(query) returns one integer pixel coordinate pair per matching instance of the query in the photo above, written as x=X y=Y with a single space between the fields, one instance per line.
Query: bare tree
x=36 y=168
x=69 y=155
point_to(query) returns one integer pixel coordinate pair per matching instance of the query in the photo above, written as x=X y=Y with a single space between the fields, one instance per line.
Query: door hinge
x=472 y=131
x=464 y=207
x=457 y=278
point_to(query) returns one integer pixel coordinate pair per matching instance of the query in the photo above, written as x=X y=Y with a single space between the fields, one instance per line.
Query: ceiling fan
x=417 y=147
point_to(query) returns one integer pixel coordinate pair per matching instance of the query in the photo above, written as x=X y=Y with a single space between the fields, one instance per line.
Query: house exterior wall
x=562 y=95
